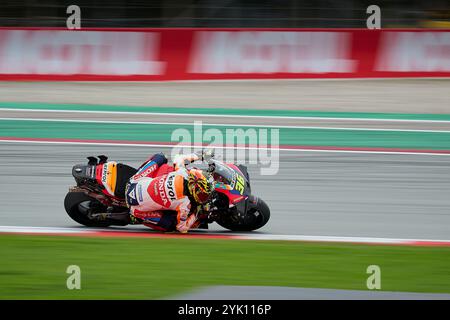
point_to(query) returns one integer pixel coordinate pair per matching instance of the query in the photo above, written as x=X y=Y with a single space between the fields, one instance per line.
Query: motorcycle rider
x=157 y=189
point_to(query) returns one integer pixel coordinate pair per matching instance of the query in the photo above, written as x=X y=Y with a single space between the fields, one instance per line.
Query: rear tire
x=76 y=204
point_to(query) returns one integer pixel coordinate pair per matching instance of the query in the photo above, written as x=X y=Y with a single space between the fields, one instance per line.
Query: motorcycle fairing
x=106 y=175
x=234 y=183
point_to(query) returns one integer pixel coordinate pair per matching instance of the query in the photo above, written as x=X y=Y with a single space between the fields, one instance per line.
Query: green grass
x=34 y=267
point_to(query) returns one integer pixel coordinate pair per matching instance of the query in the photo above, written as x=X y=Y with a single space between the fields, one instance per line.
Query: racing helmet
x=200 y=187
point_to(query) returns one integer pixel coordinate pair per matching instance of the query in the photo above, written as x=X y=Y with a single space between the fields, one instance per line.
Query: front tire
x=77 y=205
x=262 y=209
x=255 y=218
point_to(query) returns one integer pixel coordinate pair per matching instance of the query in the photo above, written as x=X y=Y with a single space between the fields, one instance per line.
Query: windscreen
x=222 y=173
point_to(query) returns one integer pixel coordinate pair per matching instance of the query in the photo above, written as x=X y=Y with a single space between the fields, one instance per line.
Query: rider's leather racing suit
x=156 y=189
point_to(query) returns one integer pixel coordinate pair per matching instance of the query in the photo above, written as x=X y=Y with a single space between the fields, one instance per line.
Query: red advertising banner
x=200 y=54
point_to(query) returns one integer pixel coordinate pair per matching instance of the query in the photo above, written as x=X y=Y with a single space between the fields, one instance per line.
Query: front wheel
x=78 y=206
x=257 y=215
x=261 y=213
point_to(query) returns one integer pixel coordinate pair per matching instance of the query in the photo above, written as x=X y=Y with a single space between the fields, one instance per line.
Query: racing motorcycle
x=98 y=199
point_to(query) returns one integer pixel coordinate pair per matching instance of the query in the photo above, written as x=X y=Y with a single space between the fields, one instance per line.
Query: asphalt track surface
x=357 y=95
x=286 y=293
x=314 y=193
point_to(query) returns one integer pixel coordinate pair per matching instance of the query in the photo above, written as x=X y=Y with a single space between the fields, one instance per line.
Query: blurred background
x=227 y=13
x=366 y=143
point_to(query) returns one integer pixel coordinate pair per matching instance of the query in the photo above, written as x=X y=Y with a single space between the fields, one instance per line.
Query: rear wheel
x=78 y=206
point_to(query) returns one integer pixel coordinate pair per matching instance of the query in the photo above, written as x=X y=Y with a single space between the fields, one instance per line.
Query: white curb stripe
x=225 y=115
x=266 y=237
x=144 y=144
x=18 y=229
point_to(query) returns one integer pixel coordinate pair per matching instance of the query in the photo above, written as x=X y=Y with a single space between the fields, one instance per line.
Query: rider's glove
x=180 y=160
x=205 y=154
x=208 y=154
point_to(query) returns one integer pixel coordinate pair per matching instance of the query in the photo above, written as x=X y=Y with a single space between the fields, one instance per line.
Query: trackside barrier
x=201 y=54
